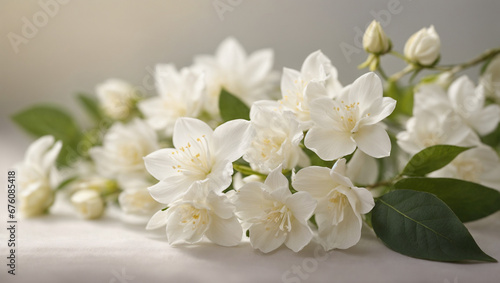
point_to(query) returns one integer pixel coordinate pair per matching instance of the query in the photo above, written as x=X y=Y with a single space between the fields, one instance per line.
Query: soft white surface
x=62 y=248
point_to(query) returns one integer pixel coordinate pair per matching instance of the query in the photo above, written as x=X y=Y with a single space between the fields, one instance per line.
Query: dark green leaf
x=44 y=120
x=420 y=225
x=232 y=108
x=431 y=159
x=90 y=106
x=469 y=201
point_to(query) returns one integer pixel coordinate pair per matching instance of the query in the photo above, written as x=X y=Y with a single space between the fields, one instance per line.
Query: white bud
x=116 y=98
x=423 y=47
x=88 y=203
x=36 y=200
x=375 y=40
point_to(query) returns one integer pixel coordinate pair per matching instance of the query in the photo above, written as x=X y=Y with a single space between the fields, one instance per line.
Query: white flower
x=277 y=138
x=428 y=128
x=123 y=148
x=351 y=120
x=340 y=204
x=181 y=94
x=479 y=165
x=316 y=78
x=274 y=215
x=37 y=176
x=362 y=169
x=250 y=77
x=464 y=99
x=135 y=198
x=423 y=47
x=375 y=40
x=199 y=212
x=200 y=155
x=88 y=204
x=490 y=79
x=116 y=98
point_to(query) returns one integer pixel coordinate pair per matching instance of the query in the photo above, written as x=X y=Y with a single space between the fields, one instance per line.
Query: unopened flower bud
x=375 y=40
x=423 y=47
x=116 y=98
x=88 y=203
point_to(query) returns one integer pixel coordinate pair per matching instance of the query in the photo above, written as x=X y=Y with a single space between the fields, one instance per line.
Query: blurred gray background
x=70 y=47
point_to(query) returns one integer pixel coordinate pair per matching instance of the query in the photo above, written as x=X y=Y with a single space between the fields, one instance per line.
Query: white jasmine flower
x=239 y=181
x=464 y=99
x=375 y=40
x=340 y=204
x=351 y=120
x=88 y=204
x=123 y=148
x=362 y=168
x=490 y=79
x=274 y=215
x=37 y=176
x=428 y=128
x=250 y=77
x=116 y=98
x=423 y=47
x=181 y=94
x=199 y=212
x=479 y=165
x=277 y=139
x=200 y=155
x=316 y=78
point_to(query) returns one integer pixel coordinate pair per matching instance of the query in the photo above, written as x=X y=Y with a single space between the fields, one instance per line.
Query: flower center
x=191 y=216
x=194 y=158
x=349 y=115
x=336 y=203
x=278 y=219
x=131 y=153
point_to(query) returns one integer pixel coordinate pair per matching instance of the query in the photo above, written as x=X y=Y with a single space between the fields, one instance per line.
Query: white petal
x=224 y=232
x=259 y=65
x=189 y=129
x=302 y=206
x=338 y=175
x=230 y=54
x=221 y=206
x=460 y=91
x=231 y=139
x=329 y=144
x=50 y=156
x=379 y=110
x=365 y=200
x=486 y=121
x=362 y=169
x=160 y=163
x=276 y=180
x=366 y=89
x=322 y=112
x=314 y=90
x=170 y=189
x=315 y=180
x=373 y=140
x=37 y=149
x=299 y=237
x=220 y=176
x=265 y=240
x=158 y=220
x=344 y=235
x=288 y=86
x=250 y=201
x=315 y=67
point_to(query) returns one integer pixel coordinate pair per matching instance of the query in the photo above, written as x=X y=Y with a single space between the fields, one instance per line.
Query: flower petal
x=259 y=65
x=158 y=220
x=189 y=129
x=373 y=140
x=265 y=240
x=224 y=232
x=299 y=237
x=315 y=67
x=160 y=163
x=231 y=139
x=302 y=206
x=315 y=180
x=276 y=180
x=365 y=89
x=250 y=201
x=170 y=189
x=329 y=144
x=342 y=236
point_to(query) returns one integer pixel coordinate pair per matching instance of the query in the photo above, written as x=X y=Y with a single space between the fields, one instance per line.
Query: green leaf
x=431 y=159
x=420 y=225
x=90 y=106
x=469 y=201
x=44 y=120
x=232 y=108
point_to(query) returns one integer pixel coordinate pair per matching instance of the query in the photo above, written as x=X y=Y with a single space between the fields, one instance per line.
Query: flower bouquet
x=226 y=151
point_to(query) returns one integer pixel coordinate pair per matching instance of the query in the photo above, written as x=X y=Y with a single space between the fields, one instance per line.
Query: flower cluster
x=225 y=151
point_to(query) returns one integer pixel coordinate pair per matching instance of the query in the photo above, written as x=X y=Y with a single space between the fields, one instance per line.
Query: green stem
x=382 y=72
x=247 y=170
